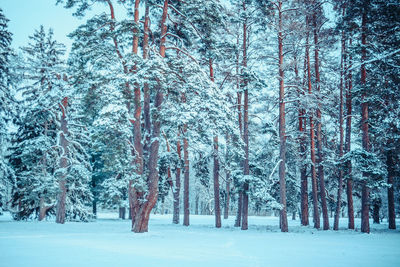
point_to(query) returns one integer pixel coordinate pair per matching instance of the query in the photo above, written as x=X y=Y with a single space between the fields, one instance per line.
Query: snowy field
x=108 y=242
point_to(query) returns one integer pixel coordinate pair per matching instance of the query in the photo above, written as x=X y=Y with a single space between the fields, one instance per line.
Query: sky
x=26 y=16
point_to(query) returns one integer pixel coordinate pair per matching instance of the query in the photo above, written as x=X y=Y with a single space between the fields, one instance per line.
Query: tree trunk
x=122 y=213
x=186 y=179
x=42 y=209
x=197 y=205
x=238 y=220
x=137 y=129
x=62 y=194
x=391 y=173
x=146 y=92
x=303 y=147
x=340 y=182
x=177 y=189
x=349 y=191
x=217 y=207
x=319 y=131
x=364 y=126
x=375 y=214
x=246 y=170
x=227 y=196
x=144 y=208
x=282 y=132
x=312 y=140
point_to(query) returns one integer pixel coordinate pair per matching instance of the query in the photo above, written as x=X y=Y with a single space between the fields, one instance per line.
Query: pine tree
x=46 y=156
x=5 y=104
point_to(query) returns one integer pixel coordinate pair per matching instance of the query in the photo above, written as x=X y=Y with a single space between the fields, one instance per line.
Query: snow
x=108 y=242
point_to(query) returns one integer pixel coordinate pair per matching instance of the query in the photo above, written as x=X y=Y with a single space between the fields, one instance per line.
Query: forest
x=229 y=108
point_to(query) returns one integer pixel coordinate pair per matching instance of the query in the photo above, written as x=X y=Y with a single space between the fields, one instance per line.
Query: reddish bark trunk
x=146 y=92
x=282 y=131
x=341 y=142
x=217 y=207
x=312 y=142
x=238 y=220
x=364 y=127
x=135 y=43
x=144 y=207
x=60 y=210
x=303 y=147
x=349 y=190
x=319 y=132
x=186 y=210
x=169 y=175
x=137 y=131
x=246 y=170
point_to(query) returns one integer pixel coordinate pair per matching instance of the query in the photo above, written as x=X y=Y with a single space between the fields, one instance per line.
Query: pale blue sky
x=27 y=15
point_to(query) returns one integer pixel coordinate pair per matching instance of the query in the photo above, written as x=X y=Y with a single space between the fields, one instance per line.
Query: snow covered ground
x=109 y=242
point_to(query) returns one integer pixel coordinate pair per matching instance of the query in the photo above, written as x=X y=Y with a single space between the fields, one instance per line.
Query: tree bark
x=146 y=92
x=42 y=207
x=238 y=220
x=375 y=214
x=246 y=170
x=62 y=194
x=227 y=196
x=312 y=139
x=177 y=189
x=341 y=142
x=303 y=147
x=391 y=174
x=217 y=206
x=144 y=207
x=364 y=126
x=186 y=210
x=319 y=131
x=349 y=184
x=282 y=132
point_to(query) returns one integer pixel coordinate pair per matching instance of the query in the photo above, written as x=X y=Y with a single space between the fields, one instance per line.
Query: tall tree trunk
x=141 y=221
x=227 y=196
x=137 y=131
x=319 y=131
x=340 y=182
x=364 y=126
x=282 y=132
x=349 y=184
x=186 y=178
x=238 y=219
x=217 y=207
x=146 y=92
x=227 y=179
x=177 y=189
x=42 y=207
x=375 y=214
x=391 y=173
x=302 y=148
x=62 y=194
x=312 y=140
x=246 y=170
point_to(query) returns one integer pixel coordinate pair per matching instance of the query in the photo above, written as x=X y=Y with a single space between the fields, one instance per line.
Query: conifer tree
x=5 y=106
